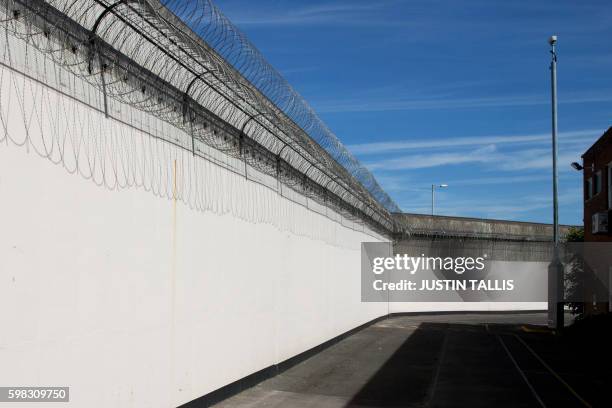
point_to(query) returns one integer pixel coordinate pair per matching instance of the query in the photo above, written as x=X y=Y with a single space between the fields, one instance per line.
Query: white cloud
x=483 y=181
x=399 y=104
x=535 y=159
x=429 y=143
x=493 y=207
x=489 y=155
x=420 y=161
x=405 y=183
x=323 y=13
x=518 y=153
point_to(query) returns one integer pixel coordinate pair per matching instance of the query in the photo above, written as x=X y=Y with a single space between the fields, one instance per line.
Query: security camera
x=552 y=40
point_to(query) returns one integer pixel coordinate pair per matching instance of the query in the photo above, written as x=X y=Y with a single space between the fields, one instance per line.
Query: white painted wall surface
x=133 y=302
x=137 y=300
x=132 y=298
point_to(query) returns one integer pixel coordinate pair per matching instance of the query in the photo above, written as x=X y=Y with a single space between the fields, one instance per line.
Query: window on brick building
x=597 y=183
x=610 y=187
x=589 y=188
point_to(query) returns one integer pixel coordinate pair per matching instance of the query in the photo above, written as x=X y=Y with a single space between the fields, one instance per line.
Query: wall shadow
x=405 y=377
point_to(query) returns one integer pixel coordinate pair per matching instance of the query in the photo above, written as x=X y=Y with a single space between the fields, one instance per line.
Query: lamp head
x=577 y=166
x=552 y=40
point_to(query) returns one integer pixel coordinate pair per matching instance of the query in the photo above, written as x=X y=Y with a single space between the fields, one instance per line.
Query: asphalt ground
x=445 y=360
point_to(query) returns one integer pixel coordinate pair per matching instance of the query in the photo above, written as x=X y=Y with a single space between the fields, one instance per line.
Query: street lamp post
x=555 y=269
x=433 y=195
x=553 y=79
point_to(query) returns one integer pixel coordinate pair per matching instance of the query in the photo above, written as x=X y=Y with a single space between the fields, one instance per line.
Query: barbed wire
x=140 y=53
x=208 y=22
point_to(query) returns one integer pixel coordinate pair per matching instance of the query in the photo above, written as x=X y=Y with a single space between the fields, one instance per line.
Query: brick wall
x=597 y=158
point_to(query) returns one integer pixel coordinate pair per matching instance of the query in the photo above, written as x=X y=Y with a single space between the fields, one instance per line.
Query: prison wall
x=141 y=267
x=140 y=275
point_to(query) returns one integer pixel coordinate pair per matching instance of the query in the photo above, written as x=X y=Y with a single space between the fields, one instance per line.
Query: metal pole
x=432 y=198
x=553 y=79
x=556 y=267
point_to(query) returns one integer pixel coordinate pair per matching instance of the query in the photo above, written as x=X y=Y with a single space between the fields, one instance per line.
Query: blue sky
x=444 y=91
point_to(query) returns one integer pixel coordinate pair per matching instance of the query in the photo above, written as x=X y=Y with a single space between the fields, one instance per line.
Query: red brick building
x=597 y=162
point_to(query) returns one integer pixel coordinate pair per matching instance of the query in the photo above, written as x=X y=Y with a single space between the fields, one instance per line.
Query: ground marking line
x=557 y=376
x=434 y=380
x=518 y=368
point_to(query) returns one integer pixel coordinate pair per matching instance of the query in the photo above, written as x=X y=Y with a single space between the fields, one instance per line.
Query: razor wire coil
x=140 y=53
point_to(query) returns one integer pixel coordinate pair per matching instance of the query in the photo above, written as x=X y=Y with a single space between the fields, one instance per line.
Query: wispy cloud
x=494 y=207
x=404 y=183
x=533 y=159
x=483 y=181
x=338 y=13
x=490 y=155
x=399 y=104
x=432 y=143
x=298 y=70
x=421 y=161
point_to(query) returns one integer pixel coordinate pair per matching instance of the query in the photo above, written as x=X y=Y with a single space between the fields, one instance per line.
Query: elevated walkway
x=438 y=226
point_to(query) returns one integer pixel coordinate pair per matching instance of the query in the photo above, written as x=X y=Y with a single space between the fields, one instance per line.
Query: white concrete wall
x=137 y=300
x=133 y=300
x=141 y=277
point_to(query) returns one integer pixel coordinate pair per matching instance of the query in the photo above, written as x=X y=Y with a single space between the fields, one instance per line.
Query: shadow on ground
x=472 y=360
